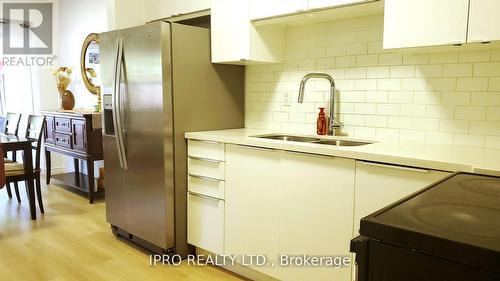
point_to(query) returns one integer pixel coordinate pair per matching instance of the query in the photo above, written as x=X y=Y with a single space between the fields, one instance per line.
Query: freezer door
x=146 y=105
x=115 y=187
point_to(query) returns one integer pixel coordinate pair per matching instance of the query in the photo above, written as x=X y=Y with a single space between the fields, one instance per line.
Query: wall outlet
x=286 y=99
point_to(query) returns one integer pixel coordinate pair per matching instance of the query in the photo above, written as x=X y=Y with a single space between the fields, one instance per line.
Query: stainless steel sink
x=325 y=141
x=342 y=142
x=289 y=138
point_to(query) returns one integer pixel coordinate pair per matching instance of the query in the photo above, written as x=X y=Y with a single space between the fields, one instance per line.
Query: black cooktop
x=457 y=218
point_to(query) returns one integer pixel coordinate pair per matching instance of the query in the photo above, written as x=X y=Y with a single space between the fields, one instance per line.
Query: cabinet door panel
x=317 y=202
x=79 y=135
x=416 y=23
x=484 y=20
x=283 y=203
x=159 y=9
x=271 y=8
x=190 y=6
x=235 y=40
x=379 y=186
x=230 y=30
x=49 y=129
x=251 y=198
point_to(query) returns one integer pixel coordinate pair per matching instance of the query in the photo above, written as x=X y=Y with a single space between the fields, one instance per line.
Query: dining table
x=15 y=143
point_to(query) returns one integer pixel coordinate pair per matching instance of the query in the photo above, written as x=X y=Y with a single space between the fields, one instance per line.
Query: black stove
x=448 y=231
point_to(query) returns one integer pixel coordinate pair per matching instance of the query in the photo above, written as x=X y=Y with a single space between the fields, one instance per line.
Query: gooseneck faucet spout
x=333 y=125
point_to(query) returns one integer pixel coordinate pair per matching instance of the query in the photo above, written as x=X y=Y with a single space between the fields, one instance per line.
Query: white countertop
x=414 y=154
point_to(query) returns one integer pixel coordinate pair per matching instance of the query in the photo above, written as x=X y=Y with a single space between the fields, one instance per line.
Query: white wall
x=450 y=98
x=77 y=19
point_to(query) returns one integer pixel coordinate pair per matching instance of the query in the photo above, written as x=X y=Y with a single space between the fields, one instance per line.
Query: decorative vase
x=67 y=100
x=63 y=79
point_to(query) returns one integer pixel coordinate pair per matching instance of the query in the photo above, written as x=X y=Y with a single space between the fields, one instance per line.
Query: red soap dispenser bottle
x=321 y=128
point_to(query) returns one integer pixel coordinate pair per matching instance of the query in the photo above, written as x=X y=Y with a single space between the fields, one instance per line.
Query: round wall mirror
x=89 y=63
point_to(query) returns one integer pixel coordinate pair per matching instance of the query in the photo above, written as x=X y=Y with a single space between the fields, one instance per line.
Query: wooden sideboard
x=77 y=135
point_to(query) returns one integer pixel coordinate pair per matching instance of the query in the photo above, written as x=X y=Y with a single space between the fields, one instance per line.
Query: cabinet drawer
x=62 y=140
x=206 y=223
x=206 y=168
x=206 y=186
x=63 y=125
x=206 y=149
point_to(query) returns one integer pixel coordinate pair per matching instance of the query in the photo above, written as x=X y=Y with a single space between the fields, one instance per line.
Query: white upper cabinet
x=190 y=6
x=484 y=21
x=270 y=8
x=260 y=9
x=235 y=40
x=230 y=29
x=418 y=23
x=127 y=13
x=321 y=4
x=159 y=9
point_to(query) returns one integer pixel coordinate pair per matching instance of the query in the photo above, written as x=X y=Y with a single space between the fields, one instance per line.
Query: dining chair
x=2 y=123
x=12 y=121
x=11 y=127
x=14 y=171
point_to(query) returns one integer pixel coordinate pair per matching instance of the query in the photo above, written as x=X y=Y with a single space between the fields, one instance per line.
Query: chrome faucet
x=333 y=125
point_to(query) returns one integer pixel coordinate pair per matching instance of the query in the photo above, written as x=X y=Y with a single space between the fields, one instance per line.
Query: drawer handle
x=204 y=196
x=394 y=167
x=205 y=178
x=205 y=159
x=205 y=141
x=308 y=154
x=256 y=147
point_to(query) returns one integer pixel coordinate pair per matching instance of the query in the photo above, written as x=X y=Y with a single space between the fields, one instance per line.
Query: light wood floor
x=72 y=241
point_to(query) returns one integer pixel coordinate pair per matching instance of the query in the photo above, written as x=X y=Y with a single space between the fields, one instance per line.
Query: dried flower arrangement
x=63 y=78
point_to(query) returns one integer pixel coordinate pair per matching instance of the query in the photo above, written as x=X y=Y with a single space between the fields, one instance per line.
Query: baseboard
x=239 y=269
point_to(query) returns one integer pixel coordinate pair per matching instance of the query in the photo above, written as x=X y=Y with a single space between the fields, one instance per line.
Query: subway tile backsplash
x=449 y=98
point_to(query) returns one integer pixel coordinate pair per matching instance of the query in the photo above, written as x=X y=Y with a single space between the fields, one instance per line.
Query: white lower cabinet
x=283 y=203
x=378 y=185
x=315 y=212
x=252 y=210
x=206 y=222
x=274 y=202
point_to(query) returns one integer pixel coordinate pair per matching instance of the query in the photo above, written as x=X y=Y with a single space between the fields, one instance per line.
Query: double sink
x=325 y=141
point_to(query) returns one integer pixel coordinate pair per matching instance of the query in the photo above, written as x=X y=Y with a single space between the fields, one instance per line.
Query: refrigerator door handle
x=117 y=120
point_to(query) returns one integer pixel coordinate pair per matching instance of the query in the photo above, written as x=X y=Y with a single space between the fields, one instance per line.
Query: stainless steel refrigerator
x=158 y=83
